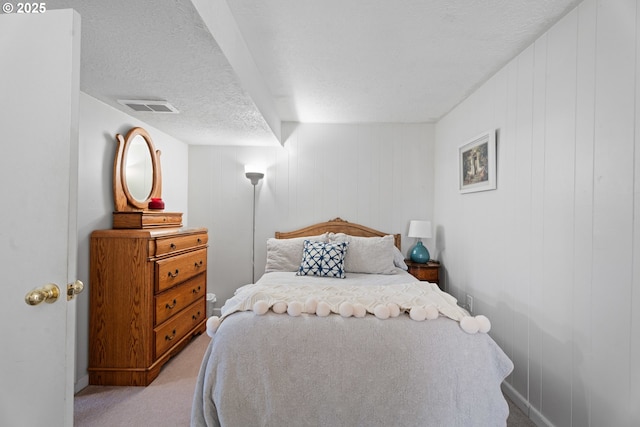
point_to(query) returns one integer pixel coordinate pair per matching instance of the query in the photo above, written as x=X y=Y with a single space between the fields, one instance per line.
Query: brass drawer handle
x=174 y=275
x=199 y=240
x=172 y=305
x=198 y=264
x=173 y=246
x=196 y=290
x=195 y=316
x=170 y=338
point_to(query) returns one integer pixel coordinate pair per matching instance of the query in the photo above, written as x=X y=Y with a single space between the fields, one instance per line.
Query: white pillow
x=368 y=254
x=286 y=254
x=398 y=259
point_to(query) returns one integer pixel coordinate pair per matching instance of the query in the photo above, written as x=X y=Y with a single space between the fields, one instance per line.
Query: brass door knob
x=74 y=289
x=48 y=293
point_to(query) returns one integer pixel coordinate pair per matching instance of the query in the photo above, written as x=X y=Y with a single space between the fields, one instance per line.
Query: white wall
x=378 y=175
x=99 y=124
x=552 y=255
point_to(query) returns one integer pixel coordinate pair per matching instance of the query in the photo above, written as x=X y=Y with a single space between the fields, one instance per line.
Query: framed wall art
x=477 y=163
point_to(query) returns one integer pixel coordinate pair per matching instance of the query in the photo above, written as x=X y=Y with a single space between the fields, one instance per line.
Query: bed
x=347 y=338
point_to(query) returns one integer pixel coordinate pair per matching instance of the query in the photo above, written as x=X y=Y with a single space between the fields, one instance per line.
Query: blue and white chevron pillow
x=323 y=259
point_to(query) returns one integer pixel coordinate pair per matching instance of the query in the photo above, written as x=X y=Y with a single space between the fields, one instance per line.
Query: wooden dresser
x=147 y=299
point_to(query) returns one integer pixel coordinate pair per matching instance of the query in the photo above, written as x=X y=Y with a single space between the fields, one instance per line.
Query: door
x=39 y=93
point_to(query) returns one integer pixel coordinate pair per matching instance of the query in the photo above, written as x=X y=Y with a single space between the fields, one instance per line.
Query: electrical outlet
x=469 y=303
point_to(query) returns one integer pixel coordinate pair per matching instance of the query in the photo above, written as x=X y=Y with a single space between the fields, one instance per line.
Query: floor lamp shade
x=420 y=230
x=253 y=173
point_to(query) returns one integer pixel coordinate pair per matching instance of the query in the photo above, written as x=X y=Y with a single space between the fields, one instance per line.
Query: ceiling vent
x=147 y=105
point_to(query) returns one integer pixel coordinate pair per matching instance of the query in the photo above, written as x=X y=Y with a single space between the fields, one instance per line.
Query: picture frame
x=477 y=163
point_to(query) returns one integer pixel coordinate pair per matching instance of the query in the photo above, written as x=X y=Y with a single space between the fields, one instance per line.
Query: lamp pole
x=253 y=247
x=254 y=177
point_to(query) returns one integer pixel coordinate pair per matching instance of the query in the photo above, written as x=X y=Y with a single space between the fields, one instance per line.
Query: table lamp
x=420 y=230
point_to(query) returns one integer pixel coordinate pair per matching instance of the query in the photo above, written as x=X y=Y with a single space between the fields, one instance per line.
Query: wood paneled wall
x=379 y=175
x=552 y=255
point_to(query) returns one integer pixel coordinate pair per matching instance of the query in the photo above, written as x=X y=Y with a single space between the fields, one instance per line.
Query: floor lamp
x=254 y=175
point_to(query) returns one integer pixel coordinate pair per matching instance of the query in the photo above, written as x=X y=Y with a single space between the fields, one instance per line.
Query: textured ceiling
x=236 y=69
x=384 y=61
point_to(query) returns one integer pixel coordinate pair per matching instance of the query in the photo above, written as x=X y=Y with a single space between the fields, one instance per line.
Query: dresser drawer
x=429 y=275
x=171 y=331
x=177 y=269
x=146 y=219
x=172 y=301
x=429 y=271
x=170 y=244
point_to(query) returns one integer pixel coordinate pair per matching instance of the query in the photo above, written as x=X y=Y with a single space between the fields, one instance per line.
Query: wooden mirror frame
x=123 y=200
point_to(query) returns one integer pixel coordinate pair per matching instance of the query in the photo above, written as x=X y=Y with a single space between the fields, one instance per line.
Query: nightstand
x=429 y=271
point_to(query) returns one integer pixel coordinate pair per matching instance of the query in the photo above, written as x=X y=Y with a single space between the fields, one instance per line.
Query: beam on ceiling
x=222 y=25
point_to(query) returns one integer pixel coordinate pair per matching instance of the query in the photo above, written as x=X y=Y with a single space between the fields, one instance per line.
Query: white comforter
x=279 y=370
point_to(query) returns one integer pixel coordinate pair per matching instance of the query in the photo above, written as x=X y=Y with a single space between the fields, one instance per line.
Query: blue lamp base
x=420 y=253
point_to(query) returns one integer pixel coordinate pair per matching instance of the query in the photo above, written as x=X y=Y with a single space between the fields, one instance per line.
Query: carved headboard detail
x=337 y=225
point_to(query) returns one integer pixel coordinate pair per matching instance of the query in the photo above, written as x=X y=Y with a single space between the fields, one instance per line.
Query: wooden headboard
x=337 y=225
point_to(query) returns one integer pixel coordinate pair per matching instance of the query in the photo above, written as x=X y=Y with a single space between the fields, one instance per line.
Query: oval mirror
x=136 y=171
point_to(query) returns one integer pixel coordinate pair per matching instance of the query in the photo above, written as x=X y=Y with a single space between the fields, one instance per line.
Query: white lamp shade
x=254 y=173
x=419 y=229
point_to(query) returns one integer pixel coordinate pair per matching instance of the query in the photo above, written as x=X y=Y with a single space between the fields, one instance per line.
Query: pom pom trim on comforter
x=420 y=300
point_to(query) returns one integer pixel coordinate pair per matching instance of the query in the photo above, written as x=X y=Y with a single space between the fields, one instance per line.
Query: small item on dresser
x=156 y=203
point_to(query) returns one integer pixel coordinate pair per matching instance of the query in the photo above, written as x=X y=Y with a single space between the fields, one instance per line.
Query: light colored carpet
x=517 y=418
x=166 y=402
